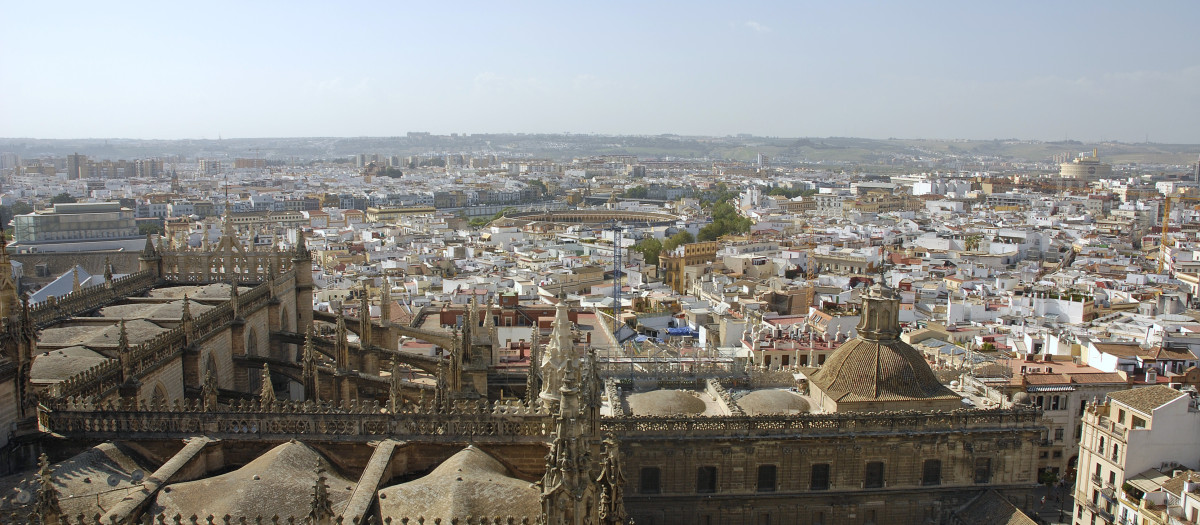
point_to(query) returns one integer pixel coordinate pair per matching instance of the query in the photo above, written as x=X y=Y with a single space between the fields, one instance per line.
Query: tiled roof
x=1146 y=399
x=862 y=370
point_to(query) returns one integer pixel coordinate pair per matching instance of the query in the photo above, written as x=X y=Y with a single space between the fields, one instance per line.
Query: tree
x=637 y=192
x=538 y=185
x=649 y=248
x=678 y=239
x=62 y=198
x=146 y=227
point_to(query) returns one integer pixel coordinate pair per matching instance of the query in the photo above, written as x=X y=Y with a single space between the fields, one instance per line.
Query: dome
x=666 y=403
x=862 y=370
x=773 y=402
x=471 y=482
x=278 y=482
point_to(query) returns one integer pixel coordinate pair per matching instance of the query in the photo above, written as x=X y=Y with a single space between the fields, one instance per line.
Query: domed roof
x=666 y=403
x=471 y=482
x=772 y=402
x=863 y=370
x=278 y=482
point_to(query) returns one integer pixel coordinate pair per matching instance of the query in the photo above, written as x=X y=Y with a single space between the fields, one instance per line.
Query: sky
x=1099 y=70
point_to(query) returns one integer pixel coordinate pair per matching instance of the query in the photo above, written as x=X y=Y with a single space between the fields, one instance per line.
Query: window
x=1137 y=422
x=1112 y=478
x=931 y=472
x=1082 y=406
x=1116 y=455
x=873 y=476
x=983 y=470
x=706 y=480
x=1101 y=447
x=766 y=478
x=818 y=517
x=1058 y=434
x=651 y=481
x=1121 y=416
x=764 y=519
x=1054 y=402
x=820 y=477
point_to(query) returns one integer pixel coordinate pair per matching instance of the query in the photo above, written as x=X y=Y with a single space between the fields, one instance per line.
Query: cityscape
x=344 y=266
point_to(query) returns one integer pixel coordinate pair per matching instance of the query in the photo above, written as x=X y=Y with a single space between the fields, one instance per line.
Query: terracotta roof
x=1146 y=399
x=862 y=370
x=1175 y=484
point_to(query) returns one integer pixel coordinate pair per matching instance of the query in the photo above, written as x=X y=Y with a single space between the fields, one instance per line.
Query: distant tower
x=1198 y=170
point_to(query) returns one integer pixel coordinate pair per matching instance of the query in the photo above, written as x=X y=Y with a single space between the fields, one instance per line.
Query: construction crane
x=1165 y=242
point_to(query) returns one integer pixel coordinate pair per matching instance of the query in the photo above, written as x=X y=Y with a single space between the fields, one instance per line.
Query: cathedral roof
x=170 y=310
x=471 y=482
x=279 y=482
x=57 y=365
x=82 y=481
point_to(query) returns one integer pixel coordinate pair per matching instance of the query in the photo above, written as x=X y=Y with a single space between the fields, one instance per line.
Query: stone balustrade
x=814 y=425
x=462 y=421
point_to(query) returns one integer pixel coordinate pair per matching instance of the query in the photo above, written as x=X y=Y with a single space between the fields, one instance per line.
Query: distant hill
x=838 y=150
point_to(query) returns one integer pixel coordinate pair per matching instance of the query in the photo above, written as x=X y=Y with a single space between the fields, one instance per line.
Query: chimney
x=1152 y=375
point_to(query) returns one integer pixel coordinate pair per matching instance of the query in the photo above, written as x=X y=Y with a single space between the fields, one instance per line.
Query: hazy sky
x=958 y=69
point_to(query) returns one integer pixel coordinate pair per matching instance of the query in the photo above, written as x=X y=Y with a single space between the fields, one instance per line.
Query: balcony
x=1097 y=481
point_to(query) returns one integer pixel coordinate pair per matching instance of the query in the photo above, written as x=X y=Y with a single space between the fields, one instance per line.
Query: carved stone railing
x=656 y=369
x=500 y=422
x=203 y=267
x=18 y=518
x=146 y=357
x=78 y=302
x=614 y=398
x=807 y=425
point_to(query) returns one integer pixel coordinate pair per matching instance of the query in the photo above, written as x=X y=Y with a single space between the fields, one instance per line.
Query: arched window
x=251 y=342
x=159 y=396
x=211 y=368
x=284 y=319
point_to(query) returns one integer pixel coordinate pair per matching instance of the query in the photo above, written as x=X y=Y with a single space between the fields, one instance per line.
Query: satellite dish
x=24 y=497
x=137 y=476
x=113 y=480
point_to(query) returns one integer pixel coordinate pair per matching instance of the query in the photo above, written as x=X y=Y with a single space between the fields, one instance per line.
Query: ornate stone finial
x=149 y=251
x=394 y=395
x=187 y=308
x=208 y=392
x=321 y=511
x=108 y=270
x=385 y=302
x=234 y=301
x=342 y=350
x=266 y=396
x=75 y=278
x=312 y=387
x=559 y=355
x=300 y=252
x=46 y=506
x=612 y=481
x=535 y=351
x=123 y=338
